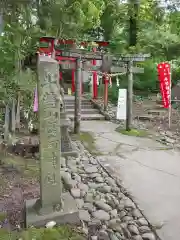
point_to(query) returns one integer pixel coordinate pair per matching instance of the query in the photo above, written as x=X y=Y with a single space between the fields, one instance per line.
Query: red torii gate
x=51 y=49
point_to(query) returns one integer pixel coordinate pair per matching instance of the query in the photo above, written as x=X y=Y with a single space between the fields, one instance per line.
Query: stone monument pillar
x=49 y=129
x=52 y=205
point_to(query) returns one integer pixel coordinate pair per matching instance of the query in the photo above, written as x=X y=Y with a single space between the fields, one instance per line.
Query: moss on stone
x=133 y=132
x=88 y=141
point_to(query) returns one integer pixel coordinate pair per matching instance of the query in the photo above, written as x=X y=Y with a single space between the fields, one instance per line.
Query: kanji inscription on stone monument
x=49 y=117
x=48 y=207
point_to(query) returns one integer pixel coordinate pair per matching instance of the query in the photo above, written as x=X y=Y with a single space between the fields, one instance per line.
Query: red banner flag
x=164 y=75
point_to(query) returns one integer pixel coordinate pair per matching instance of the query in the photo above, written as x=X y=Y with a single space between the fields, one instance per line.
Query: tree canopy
x=156 y=26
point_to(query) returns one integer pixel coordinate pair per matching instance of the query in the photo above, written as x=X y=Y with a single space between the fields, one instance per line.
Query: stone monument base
x=38 y=217
x=67 y=148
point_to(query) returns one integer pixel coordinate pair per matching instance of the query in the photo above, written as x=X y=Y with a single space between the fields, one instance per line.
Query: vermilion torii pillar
x=95 y=86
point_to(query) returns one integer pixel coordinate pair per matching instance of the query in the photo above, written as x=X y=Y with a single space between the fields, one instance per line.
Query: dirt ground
x=155 y=117
x=18 y=181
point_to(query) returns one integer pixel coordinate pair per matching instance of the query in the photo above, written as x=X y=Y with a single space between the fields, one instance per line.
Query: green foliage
x=59 y=233
x=113 y=93
x=147 y=81
x=26 y=21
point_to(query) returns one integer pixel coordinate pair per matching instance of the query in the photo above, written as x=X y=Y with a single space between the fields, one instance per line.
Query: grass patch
x=28 y=166
x=3 y=216
x=89 y=142
x=63 y=232
x=133 y=132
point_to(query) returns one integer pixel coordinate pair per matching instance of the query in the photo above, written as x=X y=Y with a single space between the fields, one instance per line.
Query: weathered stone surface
x=76 y=177
x=116 y=227
x=79 y=202
x=120 y=235
x=103 y=235
x=92 y=161
x=68 y=182
x=122 y=214
x=142 y=222
x=98 y=197
x=133 y=229
x=91 y=169
x=72 y=166
x=95 y=223
x=114 y=201
x=84 y=158
x=111 y=182
x=136 y=213
x=127 y=218
x=65 y=175
x=83 y=193
x=40 y=216
x=84 y=216
x=105 y=189
x=128 y=203
x=101 y=215
x=148 y=236
x=75 y=192
x=99 y=179
x=83 y=187
x=144 y=229
x=113 y=213
x=121 y=206
x=89 y=197
x=138 y=237
x=89 y=206
x=63 y=162
x=94 y=238
x=126 y=232
x=121 y=196
x=114 y=222
x=94 y=175
x=102 y=205
x=113 y=236
x=95 y=185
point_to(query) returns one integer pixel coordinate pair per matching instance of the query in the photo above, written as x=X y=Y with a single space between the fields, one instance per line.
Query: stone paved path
x=148 y=170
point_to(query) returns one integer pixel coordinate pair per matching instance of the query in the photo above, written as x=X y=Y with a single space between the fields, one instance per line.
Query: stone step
x=83 y=111
x=157 y=112
x=159 y=106
x=88 y=117
x=83 y=106
x=159 y=101
x=145 y=117
x=72 y=98
x=82 y=102
x=85 y=102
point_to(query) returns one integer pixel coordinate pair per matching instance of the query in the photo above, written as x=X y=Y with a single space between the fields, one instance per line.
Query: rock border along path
x=106 y=209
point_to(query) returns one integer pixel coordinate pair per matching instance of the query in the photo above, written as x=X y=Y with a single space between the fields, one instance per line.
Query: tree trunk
x=133 y=19
x=77 y=105
x=6 y=124
x=13 y=118
x=18 y=113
